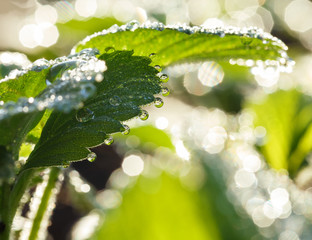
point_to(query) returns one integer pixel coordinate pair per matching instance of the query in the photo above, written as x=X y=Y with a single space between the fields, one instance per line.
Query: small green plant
x=68 y=105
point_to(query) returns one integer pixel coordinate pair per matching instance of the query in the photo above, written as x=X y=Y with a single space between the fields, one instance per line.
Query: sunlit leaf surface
x=180 y=43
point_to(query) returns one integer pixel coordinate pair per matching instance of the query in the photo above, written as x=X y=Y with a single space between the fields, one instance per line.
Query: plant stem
x=44 y=203
x=4 y=205
x=11 y=200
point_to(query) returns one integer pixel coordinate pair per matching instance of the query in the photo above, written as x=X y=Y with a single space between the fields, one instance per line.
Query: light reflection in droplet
x=260 y=219
x=85 y=188
x=288 y=235
x=193 y=85
x=244 y=179
x=44 y=34
x=260 y=132
x=133 y=165
x=119 y=179
x=46 y=13
x=123 y=10
x=251 y=163
x=214 y=141
x=109 y=198
x=86 y=226
x=271 y=211
x=279 y=196
x=161 y=123
x=210 y=74
x=182 y=152
x=86 y=8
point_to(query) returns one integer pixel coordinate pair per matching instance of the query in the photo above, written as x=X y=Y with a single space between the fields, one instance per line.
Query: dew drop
x=99 y=77
x=40 y=64
x=91 y=157
x=221 y=33
x=157 y=67
x=109 y=140
x=210 y=74
x=126 y=130
x=152 y=55
x=109 y=49
x=115 y=101
x=164 y=78
x=87 y=90
x=165 y=91
x=48 y=82
x=144 y=115
x=158 y=102
x=65 y=164
x=246 y=40
x=84 y=115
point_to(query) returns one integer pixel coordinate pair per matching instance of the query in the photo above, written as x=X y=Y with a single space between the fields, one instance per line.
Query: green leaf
x=128 y=84
x=6 y=164
x=28 y=85
x=159 y=208
x=65 y=94
x=286 y=116
x=180 y=43
x=151 y=136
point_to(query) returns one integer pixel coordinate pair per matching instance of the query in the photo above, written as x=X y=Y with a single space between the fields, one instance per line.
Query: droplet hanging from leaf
x=84 y=115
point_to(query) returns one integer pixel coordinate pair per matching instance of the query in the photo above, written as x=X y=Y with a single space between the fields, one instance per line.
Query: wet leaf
x=129 y=83
x=180 y=43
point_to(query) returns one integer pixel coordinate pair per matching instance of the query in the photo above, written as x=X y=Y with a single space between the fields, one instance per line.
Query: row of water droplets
x=69 y=90
x=85 y=114
x=247 y=34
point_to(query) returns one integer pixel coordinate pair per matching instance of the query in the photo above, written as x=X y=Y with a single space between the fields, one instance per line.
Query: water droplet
x=152 y=55
x=144 y=115
x=221 y=33
x=109 y=49
x=126 y=130
x=84 y=115
x=165 y=91
x=89 y=52
x=40 y=64
x=133 y=25
x=91 y=157
x=158 y=102
x=58 y=69
x=210 y=74
x=164 y=78
x=65 y=164
x=246 y=40
x=99 y=77
x=109 y=140
x=157 y=67
x=87 y=90
x=115 y=101
x=48 y=82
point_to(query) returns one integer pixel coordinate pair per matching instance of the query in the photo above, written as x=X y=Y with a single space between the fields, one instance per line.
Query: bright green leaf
x=159 y=208
x=180 y=43
x=286 y=116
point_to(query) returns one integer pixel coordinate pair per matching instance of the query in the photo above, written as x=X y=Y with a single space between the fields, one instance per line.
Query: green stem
x=11 y=200
x=4 y=204
x=54 y=173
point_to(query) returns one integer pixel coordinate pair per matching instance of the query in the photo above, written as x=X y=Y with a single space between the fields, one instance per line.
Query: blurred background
x=226 y=157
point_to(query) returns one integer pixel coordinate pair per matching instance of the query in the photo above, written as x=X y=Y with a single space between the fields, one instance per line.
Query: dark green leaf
x=128 y=84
